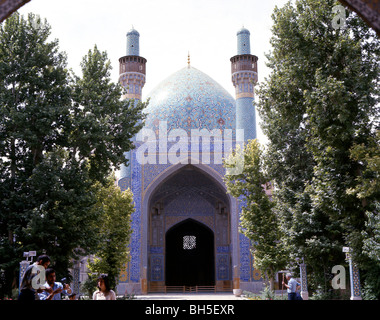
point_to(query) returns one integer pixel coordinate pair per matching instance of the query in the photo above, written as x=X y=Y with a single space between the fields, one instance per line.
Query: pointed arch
x=165 y=175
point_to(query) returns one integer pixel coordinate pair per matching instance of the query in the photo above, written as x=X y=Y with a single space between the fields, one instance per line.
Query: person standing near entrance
x=291 y=286
x=27 y=292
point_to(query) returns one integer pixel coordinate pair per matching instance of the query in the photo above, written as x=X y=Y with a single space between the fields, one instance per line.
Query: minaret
x=132 y=67
x=132 y=77
x=244 y=76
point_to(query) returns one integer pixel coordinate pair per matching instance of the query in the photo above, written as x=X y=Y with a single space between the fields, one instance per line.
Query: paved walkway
x=189 y=296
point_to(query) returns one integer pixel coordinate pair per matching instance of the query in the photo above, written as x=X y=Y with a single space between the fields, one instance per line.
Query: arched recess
x=224 y=254
x=189 y=255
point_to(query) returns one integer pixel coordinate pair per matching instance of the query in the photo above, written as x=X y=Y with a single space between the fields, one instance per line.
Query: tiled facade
x=167 y=193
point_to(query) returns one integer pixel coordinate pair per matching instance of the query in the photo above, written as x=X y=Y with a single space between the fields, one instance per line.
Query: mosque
x=185 y=225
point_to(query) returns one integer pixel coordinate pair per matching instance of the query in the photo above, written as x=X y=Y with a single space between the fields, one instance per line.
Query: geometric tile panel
x=222 y=267
x=157 y=268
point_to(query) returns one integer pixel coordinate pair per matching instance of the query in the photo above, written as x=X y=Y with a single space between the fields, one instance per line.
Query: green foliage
x=116 y=208
x=61 y=135
x=102 y=124
x=371 y=285
x=61 y=215
x=266 y=294
x=34 y=104
x=89 y=286
x=368 y=157
x=257 y=219
x=320 y=108
x=322 y=293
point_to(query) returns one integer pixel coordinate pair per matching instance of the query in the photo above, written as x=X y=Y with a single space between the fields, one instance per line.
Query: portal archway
x=190 y=257
x=180 y=195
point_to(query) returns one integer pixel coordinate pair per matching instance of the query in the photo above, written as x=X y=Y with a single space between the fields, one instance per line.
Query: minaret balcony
x=244 y=62
x=132 y=64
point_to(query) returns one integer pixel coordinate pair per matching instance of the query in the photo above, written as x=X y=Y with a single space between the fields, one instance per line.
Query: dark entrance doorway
x=190 y=255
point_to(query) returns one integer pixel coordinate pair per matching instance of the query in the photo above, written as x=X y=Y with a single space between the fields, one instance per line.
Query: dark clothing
x=27 y=292
x=27 y=278
x=291 y=296
x=298 y=296
x=27 y=295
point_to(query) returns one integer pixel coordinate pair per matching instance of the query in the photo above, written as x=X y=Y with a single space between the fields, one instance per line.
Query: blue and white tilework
x=190 y=99
x=135 y=244
x=157 y=268
x=133 y=43
x=222 y=264
x=243 y=42
x=246 y=117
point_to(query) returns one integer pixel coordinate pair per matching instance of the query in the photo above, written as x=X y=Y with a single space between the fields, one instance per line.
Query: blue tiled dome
x=190 y=99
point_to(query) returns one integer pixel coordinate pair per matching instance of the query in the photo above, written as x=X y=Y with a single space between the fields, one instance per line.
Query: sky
x=169 y=30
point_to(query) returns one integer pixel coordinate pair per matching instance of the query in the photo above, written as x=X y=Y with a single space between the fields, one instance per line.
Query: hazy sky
x=169 y=29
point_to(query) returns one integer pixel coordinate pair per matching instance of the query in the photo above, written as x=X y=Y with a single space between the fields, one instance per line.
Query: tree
x=368 y=157
x=60 y=135
x=102 y=124
x=116 y=208
x=368 y=191
x=320 y=100
x=34 y=104
x=258 y=221
x=342 y=109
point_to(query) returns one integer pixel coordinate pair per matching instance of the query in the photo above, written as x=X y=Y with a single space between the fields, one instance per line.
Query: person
x=56 y=287
x=27 y=292
x=104 y=291
x=73 y=296
x=298 y=294
x=291 y=286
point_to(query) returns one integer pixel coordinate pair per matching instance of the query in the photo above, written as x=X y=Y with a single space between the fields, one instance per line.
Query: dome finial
x=188 y=59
